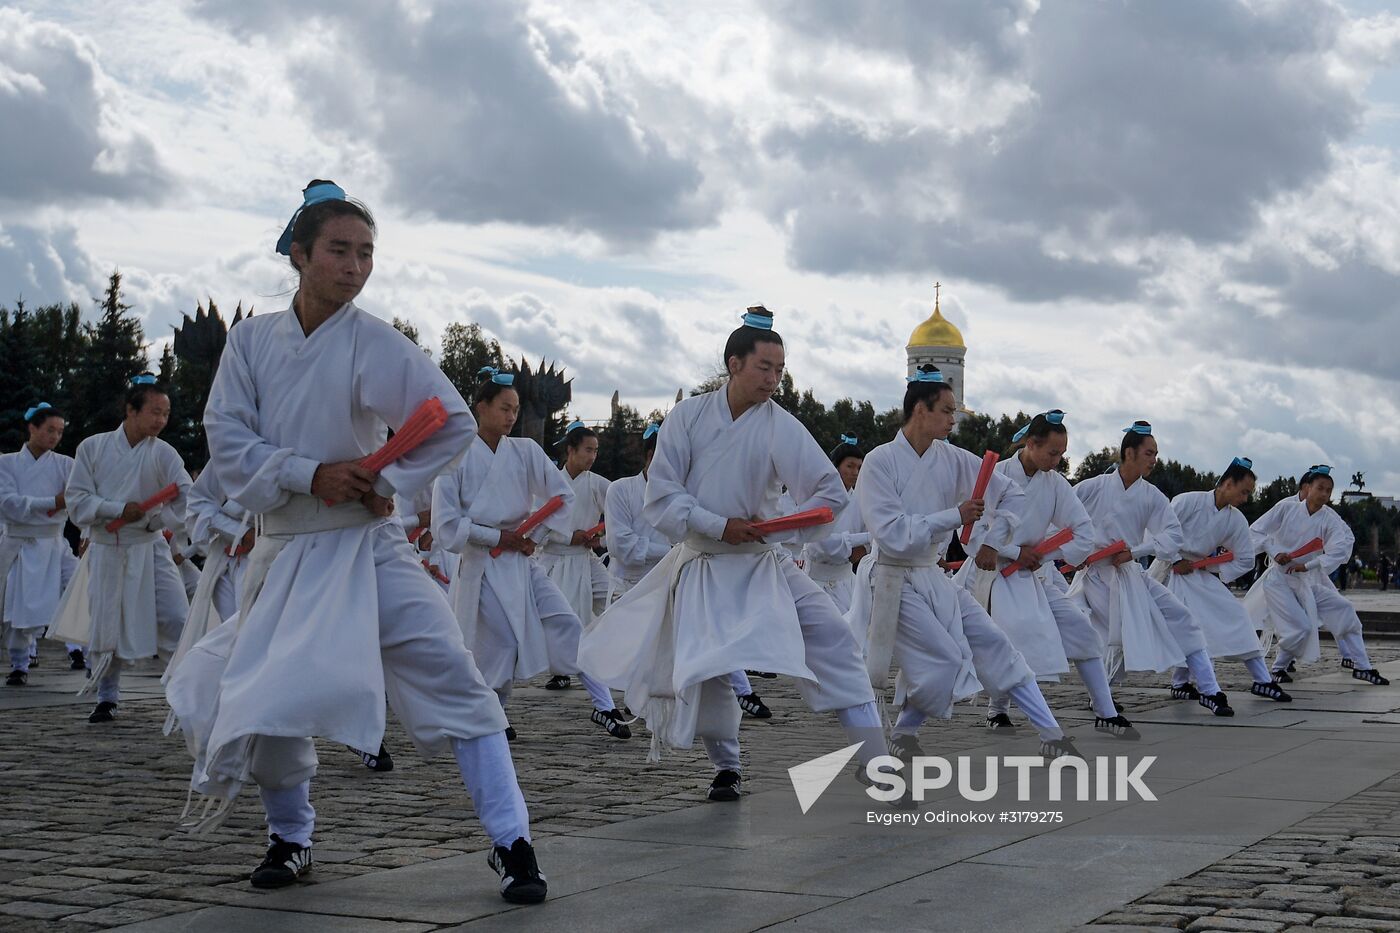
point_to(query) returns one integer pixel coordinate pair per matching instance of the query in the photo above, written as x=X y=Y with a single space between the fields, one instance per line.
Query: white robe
x=1205 y=529
x=507 y=605
x=708 y=609
x=135 y=604
x=827 y=559
x=575 y=569
x=345 y=616
x=1133 y=612
x=634 y=546
x=36 y=562
x=1027 y=605
x=1294 y=605
x=905 y=608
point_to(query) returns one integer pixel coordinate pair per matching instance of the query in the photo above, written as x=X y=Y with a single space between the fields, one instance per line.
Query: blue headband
x=573 y=426
x=315 y=194
x=1138 y=429
x=498 y=377
x=651 y=428
x=849 y=439
x=1054 y=417
x=36 y=409
x=145 y=379
x=760 y=321
x=921 y=376
x=1245 y=462
x=1322 y=468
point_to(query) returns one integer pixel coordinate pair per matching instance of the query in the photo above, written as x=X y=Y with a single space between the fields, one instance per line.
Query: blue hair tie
x=849 y=439
x=498 y=377
x=933 y=375
x=759 y=321
x=1245 y=462
x=651 y=428
x=573 y=426
x=1054 y=416
x=1138 y=429
x=315 y=194
x=1322 y=468
x=36 y=409
x=145 y=379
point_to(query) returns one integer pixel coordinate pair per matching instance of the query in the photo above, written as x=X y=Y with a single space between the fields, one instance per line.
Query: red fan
x=1109 y=551
x=435 y=573
x=807 y=519
x=979 y=489
x=534 y=521
x=1218 y=559
x=160 y=498
x=1313 y=546
x=1058 y=539
x=426 y=419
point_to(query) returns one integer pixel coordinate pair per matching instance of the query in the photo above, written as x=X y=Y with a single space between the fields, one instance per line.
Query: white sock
x=724 y=753
x=1032 y=702
x=997 y=704
x=740 y=682
x=862 y=724
x=289 y=812
x=1181 y=676
x=909 y=721
x=1203 y=672
x=1258 y=669
x=489 y=775
x=1091 y=671
x=597 y=692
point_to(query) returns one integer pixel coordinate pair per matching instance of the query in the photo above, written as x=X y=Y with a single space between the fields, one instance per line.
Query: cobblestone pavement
x=90 y=840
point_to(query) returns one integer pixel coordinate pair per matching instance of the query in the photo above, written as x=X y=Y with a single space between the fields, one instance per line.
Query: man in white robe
x=1211 y=524
x=1295 y=597
x=345 y=616
x=568 y=557
x=36 y=562
x=635 y=547
x=1145 y=627
x=914 y=493
x=511 y=613
x=724 y=599
x=1031 y=605
x=135 y=603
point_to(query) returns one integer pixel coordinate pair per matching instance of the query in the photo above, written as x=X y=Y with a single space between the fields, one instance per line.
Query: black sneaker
x=1217 y=704
x=284 y=864
x=906 y=748
x=1270 y=692
x=1001 y=721
x=380 y=762
x=1185 y=692
x=611 y=721
x=510 y=733
x=725 y=787
x=752 y=704
x=1370 y=675
x=1349 y=664
x=522 y=882
x=33 y=660
x=1281 y=677
x=1117 y=726
x=1059 y=748
x=1292 y=667
x=559 y=682
x=103 y=712
x=78 y=663
x=17 y=678
x=767 y=675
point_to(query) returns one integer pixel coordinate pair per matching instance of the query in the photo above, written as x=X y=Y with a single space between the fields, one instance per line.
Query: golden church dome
x=937 y=331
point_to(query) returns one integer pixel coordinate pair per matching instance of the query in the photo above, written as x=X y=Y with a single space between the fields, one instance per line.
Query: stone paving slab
x=629 y=845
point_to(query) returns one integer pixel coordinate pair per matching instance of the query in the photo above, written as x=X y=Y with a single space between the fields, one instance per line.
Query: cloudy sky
x=1185 y=211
